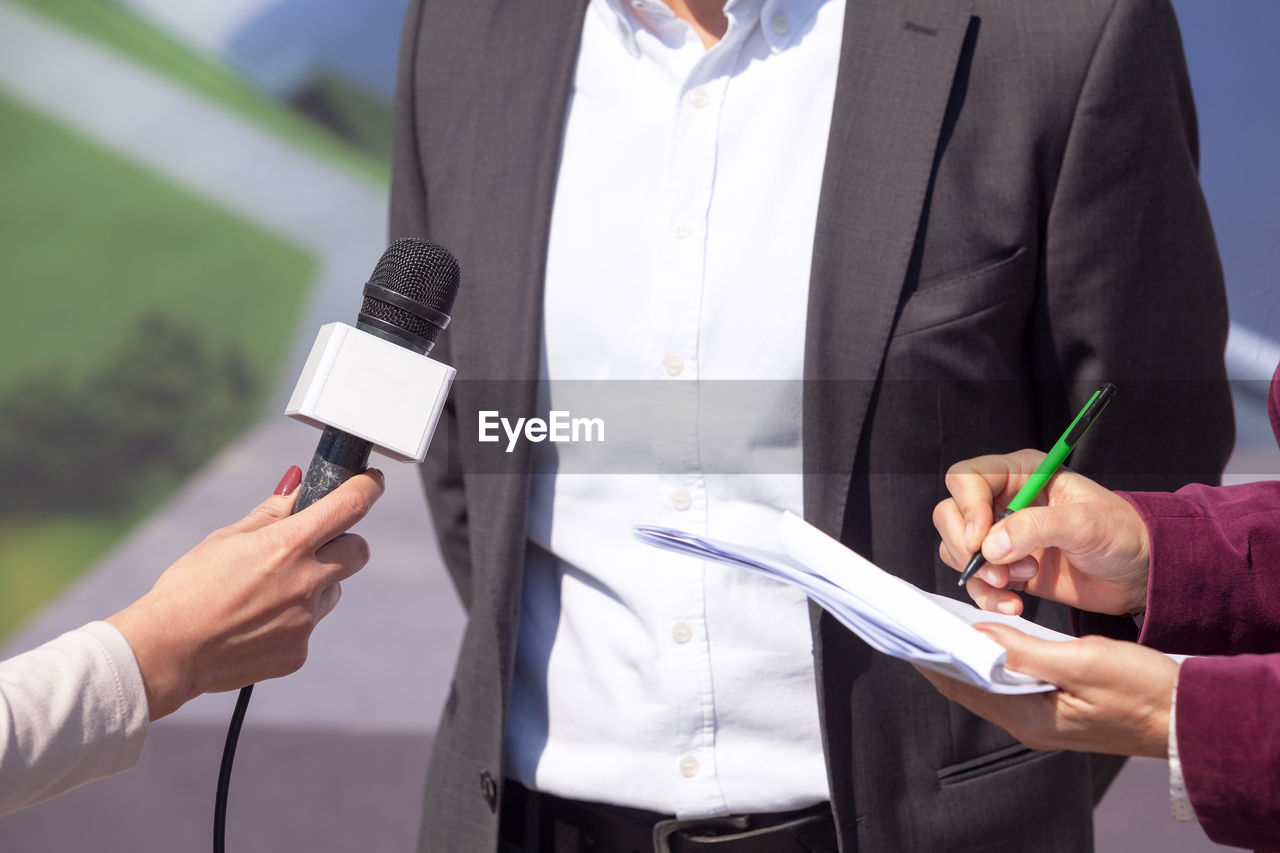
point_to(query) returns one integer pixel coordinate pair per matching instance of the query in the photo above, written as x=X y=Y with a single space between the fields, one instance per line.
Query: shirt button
x=682 y=633
x=673 y=364
x=780 y=25
x=682 y=230
x=681 y=499
x=689 y=766
x=699 y=98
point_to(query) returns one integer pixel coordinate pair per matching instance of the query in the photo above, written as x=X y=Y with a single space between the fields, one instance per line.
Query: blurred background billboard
x=188 y=189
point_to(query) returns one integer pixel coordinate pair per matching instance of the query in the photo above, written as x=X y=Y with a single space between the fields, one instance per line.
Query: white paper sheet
x=889 y=614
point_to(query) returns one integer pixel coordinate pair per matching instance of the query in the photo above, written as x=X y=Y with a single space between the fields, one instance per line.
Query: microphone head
x=410 y=294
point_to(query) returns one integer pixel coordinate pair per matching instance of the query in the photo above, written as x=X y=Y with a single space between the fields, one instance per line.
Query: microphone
x=371 y=385
x=355 y=387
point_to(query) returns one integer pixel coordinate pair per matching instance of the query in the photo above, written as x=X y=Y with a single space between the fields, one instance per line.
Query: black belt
x=533 y=821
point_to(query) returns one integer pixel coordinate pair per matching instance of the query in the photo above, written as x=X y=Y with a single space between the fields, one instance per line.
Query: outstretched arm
x=238 y=608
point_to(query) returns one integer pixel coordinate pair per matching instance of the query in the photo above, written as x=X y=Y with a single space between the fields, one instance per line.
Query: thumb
x=1072 y=528
x=1053 y=661
x=276 y=507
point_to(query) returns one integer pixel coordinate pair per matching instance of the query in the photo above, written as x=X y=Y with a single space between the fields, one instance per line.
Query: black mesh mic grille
x=421 y=272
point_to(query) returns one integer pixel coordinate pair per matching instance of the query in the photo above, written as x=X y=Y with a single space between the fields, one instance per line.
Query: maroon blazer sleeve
x=1229 y=746
x=1215 y=564
x=1215 y=589
x=1215 y=569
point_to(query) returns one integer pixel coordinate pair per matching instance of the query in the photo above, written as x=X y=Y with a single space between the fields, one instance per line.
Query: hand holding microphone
x=241 y=606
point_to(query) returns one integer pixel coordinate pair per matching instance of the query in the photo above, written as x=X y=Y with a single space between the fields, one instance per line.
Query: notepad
x=891 y=615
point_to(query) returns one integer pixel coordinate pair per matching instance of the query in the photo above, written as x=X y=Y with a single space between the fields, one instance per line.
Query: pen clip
x=1085 y=419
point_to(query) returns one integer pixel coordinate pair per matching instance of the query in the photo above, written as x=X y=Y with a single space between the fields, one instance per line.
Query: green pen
x=1049 y=466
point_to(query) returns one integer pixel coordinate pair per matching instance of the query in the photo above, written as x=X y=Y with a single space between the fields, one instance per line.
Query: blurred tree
x=151 y=414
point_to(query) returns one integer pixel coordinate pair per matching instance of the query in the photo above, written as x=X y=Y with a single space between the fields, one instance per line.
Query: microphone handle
x=339 y=457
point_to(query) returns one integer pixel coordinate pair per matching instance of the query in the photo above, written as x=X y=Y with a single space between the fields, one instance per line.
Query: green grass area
x=90 y=244
x=39 y=558
x=115 y=27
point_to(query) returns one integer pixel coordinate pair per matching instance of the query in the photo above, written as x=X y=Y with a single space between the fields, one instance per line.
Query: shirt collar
x=780 y=21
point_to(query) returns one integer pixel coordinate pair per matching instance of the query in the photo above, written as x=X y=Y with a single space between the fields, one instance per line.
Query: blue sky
x=1233 y=53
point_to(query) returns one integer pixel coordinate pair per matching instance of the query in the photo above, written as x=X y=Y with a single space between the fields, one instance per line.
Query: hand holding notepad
x=889 y=614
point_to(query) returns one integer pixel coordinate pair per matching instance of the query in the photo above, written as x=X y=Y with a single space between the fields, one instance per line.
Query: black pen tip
x=975 y=563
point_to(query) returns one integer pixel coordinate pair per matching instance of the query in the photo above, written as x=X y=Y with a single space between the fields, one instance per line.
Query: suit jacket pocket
x=1007 y=758
x=954 y=298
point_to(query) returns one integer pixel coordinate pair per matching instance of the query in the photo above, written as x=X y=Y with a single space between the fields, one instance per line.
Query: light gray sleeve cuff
x=132 y=708
x=1180 y=800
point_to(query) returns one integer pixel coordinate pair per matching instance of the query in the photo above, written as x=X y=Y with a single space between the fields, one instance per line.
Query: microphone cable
x=224 y=773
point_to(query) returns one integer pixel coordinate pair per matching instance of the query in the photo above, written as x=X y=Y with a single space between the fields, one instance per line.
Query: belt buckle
x=664 y=830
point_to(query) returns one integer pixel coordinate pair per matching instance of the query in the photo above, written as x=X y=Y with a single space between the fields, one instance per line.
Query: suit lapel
x=510 y=131
x=513 y=133
x=897 y=66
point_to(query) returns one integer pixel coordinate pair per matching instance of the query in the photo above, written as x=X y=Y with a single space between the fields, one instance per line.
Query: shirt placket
x=678 y=290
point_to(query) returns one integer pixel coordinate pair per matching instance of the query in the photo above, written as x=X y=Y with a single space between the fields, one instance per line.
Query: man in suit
x=935 y=226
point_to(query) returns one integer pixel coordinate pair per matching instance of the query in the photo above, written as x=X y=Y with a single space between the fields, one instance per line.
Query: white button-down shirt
x=679 y=254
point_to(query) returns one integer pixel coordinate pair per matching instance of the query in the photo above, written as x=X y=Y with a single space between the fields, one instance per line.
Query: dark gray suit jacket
x=1010 y=212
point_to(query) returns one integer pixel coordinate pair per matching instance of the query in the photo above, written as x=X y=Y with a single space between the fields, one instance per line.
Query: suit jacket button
x=489 y=788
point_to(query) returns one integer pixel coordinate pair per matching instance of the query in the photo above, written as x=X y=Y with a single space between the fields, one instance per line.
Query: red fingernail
x=289 y=481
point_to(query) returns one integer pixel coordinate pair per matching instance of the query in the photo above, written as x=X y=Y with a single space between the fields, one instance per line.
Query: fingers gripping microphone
x=360 y=388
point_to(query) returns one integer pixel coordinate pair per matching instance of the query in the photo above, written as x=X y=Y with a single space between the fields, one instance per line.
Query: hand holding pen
x=1083 y=544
